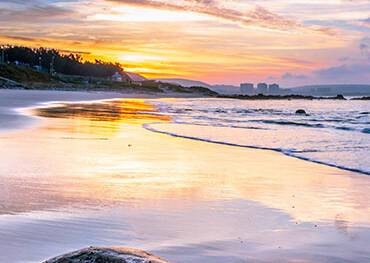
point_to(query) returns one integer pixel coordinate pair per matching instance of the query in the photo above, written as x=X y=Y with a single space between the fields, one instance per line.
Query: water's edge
x=152 y=129
x=25 y=111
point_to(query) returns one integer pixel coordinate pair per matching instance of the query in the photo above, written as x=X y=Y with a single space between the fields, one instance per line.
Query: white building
x=274 y=89
x=117 y=77
x=262 y=88
x=247 y=88
x=128 y=77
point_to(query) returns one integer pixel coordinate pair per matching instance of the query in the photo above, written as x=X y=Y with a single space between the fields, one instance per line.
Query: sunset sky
x=292 y=42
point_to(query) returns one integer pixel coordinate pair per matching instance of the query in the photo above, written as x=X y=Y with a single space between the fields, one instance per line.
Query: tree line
x=53 y=60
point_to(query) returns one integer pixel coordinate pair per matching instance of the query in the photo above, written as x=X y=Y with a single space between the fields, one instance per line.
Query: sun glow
x=211 y=44
x=136 y=14
x=139 y=58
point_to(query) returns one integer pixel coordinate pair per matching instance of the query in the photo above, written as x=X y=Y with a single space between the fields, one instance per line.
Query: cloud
x=365 y=47
x=344 y=59
x=345 y=73
x=257 y=17
x=348 y=73
x=25 y=13
x=290 y=76
x=26 y=39
x=366 y=21
x=214 y=40
x=360 y=24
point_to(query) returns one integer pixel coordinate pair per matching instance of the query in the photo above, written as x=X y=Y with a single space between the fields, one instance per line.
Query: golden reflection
x=123 y=111
x=102 y=118
x=89 y=166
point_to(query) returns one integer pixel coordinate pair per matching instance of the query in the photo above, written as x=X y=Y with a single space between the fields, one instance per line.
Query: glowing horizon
x=216 y=41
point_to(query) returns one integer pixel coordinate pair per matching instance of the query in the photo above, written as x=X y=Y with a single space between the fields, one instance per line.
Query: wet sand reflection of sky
x=154 y=191
x=104 y=117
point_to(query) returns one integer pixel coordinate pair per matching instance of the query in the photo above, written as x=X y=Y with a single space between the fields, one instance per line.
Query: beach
x=72 y=178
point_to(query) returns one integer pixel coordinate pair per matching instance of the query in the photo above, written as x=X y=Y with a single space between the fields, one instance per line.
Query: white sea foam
x=335 y=133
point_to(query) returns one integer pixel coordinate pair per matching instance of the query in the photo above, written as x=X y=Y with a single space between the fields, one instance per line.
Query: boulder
x=340 y=97
x=107 y=255
x=300 y=111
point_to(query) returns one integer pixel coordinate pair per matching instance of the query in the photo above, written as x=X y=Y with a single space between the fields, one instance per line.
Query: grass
x=23 y=74
x=32 y=79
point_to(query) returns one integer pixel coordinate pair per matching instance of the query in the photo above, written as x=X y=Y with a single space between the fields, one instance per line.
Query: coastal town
x=262 y=88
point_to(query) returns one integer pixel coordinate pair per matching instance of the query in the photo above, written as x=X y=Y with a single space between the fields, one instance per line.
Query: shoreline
x=147 y=126
x=114 y=183
x=12 y=112
x=106 y=96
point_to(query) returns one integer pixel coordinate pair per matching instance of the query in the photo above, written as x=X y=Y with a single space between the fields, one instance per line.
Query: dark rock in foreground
x=301 y=112
x=339 y=97
x=107 y=255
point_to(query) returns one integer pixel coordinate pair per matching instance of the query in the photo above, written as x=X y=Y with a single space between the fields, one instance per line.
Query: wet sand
x=77 y=179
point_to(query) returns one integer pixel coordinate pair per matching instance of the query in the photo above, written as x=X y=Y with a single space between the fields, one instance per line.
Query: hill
x=222 y=89
x=25 y=77
x=226 y=89
x=332 y=90
x=22 y=74
x=185 y=82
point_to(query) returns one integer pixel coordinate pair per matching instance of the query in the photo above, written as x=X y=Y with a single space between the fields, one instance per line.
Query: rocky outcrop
x=107 y=255
x=362 y=98
x=9 y=84
x=280 y=97
x=301 y=112
x=339 y=97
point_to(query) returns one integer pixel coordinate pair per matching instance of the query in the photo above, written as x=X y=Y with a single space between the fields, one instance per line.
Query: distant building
x=117 y=77
x=287 y=91
x=274 y=89
x=262 y=88
x=128 y=77
x=247 y=88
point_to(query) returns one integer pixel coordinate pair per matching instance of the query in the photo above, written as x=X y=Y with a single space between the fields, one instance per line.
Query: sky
x=291 y=42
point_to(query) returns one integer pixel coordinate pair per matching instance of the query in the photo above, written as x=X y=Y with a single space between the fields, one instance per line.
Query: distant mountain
x=332 y=90
x=226 y=89
x=313 y=90
x=222 y=89
x=135 y=76
x=185 y=82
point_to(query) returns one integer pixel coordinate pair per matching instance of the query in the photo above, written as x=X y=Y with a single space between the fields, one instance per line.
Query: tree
x=71 y=64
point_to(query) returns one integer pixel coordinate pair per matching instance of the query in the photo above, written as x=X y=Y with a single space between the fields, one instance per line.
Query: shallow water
x=81 y=178
x=333 y=132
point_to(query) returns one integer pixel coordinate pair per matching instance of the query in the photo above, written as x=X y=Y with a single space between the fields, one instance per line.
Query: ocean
x=335 y=133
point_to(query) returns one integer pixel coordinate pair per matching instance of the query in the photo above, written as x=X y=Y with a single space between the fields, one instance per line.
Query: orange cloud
x=258 y=17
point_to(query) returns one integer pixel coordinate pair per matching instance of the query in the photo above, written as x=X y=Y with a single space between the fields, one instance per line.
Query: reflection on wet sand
x=97 y=155
x=101 y=116
x=101 y=149
x=128 y=111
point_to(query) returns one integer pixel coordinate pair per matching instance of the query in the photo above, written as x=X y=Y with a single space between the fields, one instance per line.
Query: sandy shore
x=11 y=100
x=69 y=183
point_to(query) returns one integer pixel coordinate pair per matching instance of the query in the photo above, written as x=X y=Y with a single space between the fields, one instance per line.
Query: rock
x=300 y=111
x=340 y=97
x=362 y=98
x=107 y=255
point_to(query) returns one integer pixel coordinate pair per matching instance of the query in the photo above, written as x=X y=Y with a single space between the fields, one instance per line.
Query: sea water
x=333 y=132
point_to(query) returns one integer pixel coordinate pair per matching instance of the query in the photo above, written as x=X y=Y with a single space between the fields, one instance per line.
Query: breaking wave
x=334 y=133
